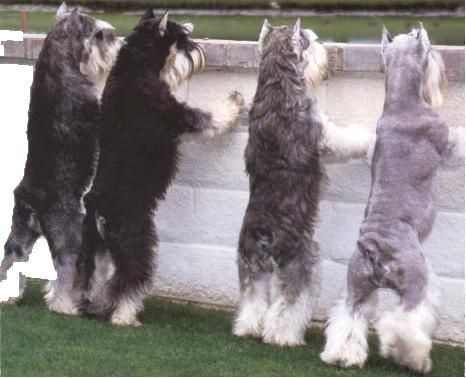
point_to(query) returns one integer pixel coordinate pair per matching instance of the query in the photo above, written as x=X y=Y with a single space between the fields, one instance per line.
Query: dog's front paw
x=236 y=98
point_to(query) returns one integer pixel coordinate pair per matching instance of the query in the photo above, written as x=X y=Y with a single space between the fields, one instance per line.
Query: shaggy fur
x=63 y=117
x=412 y=142
x=277 y=257
x=141 y=123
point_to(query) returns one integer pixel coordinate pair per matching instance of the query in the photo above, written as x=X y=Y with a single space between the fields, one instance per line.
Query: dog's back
x=282 y=160
x=407 y=155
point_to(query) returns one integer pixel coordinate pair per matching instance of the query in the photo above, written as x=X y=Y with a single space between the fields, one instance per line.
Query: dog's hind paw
x=119 y=321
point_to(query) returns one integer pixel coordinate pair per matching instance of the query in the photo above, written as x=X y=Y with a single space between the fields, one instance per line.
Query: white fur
x=435 y=82
x=342 y=143
x=103 y=25
x=179 y=68
x=266 y=29
x=406 y=336
x=253 y=305
x=98 y=67
x=225 y=114
x=285 y=322
x=59 y=298
x=315 y=57
x=126 y=311
x=346 y=337
x=454 y=156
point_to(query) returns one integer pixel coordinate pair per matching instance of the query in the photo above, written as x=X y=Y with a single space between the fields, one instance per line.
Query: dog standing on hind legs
x=412 y=143
x=139 y=136
x=69 y=74
x=277 y=257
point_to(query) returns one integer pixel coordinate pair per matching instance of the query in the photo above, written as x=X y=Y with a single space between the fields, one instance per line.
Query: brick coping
x=244 y=55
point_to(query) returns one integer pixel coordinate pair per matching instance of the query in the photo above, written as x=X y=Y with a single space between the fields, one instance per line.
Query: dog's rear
x=277 y=258
x=412 y=143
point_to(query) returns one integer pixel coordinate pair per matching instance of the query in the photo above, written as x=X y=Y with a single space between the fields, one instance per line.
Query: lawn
x=442 y=30
x=175 y=340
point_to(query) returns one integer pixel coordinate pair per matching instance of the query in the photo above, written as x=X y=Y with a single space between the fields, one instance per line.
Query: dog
x=277 y=257
x=412 y=143
x=139 y=137
x=70 y=72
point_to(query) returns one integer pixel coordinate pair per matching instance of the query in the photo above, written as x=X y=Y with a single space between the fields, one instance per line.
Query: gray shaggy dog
x=277 y=257
x=412 y=143
x=69 y=75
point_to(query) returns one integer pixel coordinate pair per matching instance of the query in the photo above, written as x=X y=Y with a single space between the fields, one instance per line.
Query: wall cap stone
x=227 y=54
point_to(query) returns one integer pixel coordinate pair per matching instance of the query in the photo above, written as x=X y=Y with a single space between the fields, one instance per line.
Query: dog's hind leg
x=346 y=330
x=131 y=240
x=63 y=233
x=95 y=266
x=254 y=300
x=293 y=293
x=405 y=333
x=25 y=230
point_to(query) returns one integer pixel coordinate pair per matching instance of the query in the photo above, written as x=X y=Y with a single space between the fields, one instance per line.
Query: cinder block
x=197 y=272
x=214 y=163
x=215 y=53
x=445 y=246
x=450 y=189
x=346 y=219
x=361 y=58
x=218 y=216
x=174 y=218
x=333 y=287
x=348 y=181
x=241 y=55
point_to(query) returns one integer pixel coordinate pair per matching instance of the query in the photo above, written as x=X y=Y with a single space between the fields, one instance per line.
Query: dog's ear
x=266 y=29
x=423 y=37
x=62 y=10
x=163 y=24
x=297 y=31
x=148 y=15
x=73 y=24
x=386 y=39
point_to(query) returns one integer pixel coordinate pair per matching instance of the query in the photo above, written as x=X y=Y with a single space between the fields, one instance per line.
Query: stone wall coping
x=227 y=54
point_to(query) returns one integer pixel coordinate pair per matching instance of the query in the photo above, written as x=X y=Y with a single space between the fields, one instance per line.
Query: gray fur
x=411 y=144
x=277 y=257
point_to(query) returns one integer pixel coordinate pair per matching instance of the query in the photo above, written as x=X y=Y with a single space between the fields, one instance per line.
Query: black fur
x=141 y=123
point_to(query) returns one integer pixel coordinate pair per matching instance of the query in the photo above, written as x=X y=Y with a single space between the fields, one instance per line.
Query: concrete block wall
x=199 y=222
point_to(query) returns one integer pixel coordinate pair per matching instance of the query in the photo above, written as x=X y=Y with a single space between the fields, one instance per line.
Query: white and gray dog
x=69 y=75
x=412 y=142
x=277 y=259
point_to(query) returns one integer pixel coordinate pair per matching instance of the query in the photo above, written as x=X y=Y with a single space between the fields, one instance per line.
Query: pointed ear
x=297 y=30
x=148 y=15
x=62 y=10
x=266 y=29
x=423 y=37
x=73 y=23
x=386 y=38
x=163 y=24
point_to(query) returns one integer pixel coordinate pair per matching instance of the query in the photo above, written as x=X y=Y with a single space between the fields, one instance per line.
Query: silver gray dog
x=412 y=143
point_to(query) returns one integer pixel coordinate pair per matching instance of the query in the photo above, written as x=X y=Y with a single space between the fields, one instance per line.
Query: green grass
x=303 y=4
x=175 y=340
x=442 y=30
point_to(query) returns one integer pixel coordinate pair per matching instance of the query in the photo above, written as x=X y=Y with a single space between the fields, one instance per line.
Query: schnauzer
x=412 y=142
x=76 y=57
x=277 y=259
x=139 y=137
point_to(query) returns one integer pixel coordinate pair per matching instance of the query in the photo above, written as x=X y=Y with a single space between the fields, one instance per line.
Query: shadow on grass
x=175 y=340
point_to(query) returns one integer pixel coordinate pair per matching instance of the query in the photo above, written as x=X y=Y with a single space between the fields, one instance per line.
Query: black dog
x=141 y=123
x=76 y=57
